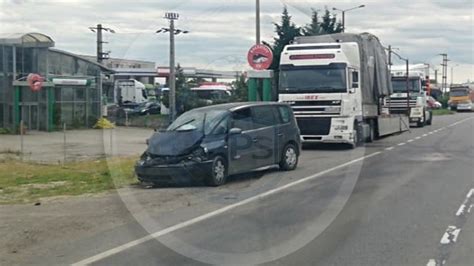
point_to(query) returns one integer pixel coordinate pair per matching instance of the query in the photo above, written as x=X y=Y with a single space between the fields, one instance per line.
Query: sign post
x=260 y=58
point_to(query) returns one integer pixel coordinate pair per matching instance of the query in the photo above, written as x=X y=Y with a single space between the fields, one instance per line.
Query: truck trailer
x=338 y=85
x=410 y=94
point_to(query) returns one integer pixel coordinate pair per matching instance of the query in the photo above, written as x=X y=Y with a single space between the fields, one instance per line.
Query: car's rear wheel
x=218 y=175
x=290 y=157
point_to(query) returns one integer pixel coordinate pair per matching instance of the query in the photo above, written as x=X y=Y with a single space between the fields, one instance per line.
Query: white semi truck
x=417 y=92
x=337 y=85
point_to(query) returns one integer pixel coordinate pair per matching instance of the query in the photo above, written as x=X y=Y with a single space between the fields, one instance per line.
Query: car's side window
x=222 y=127
x=264 y=116
x=285 y=114
x=243 y=119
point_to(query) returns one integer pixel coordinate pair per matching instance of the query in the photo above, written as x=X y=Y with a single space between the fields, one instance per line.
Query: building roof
x=32 y=39
x=103 y=68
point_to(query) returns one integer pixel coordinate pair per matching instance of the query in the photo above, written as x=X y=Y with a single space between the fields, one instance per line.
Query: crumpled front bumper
x=172 y=172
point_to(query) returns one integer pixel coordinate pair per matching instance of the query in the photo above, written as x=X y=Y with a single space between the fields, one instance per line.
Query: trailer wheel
x=372 y=134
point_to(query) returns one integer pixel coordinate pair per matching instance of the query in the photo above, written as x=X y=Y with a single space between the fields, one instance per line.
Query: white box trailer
x=130 y=91
x=337 y=85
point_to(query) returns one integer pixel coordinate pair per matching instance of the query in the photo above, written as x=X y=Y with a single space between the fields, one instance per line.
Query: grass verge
x=443 y=112
x=22 y=182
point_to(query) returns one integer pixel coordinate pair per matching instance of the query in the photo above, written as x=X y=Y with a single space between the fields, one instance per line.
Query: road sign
x=260 y=57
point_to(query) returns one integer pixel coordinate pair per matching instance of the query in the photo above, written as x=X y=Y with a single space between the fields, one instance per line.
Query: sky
x=222 y=31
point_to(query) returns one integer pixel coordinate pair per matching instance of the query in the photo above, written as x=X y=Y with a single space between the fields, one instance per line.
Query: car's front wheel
x=218 y=175
x=289 y=160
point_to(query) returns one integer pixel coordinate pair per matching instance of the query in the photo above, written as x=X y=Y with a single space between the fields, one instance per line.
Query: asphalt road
x=397 y=201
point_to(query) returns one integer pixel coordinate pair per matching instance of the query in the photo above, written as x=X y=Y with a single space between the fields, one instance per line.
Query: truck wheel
x=430 y=121
x=357 y=137
x=422 y=124
x=218 y=175
x=289 y=158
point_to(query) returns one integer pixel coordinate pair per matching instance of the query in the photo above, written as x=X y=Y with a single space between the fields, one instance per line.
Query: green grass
x=443 y=112
x=28 y=182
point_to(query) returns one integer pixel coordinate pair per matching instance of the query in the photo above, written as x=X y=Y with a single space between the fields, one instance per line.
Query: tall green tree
x=286 y=31
x=326 y=24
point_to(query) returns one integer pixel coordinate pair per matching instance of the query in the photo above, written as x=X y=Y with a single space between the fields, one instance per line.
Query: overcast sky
x=222 y=31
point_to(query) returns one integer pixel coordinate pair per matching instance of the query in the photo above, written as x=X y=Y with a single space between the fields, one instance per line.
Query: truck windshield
x=328 y=79
x=458 y=93
x=400 y=85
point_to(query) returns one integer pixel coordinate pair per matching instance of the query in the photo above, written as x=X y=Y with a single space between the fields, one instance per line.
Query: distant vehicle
x=130 y=91
x=148 y=108
x=433 y=103
x=418 y=84
x=222 y=140
x=213 y=92
x=329 y=82
x=461 y=98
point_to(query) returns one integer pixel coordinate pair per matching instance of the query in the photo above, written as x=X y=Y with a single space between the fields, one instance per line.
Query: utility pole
x=444 y=82
x=258 y=22
x=101 y=55
x=172 y=78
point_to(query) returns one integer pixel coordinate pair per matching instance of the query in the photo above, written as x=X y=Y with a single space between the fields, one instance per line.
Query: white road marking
x=431 y=263
x=418 y=138
x=431 y=133
x=201 y=218
x=390 y=148
x=425 y=135
x=402 y=144
x=464 y=204
x=410 y=141
x=451 y=235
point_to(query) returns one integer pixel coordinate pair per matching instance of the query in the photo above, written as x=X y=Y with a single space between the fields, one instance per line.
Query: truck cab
x=461 y=98
x=321 y=83
x=416 y=106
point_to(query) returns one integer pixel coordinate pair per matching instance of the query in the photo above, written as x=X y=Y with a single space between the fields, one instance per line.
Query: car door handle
x=255 y=140
x=280 y=135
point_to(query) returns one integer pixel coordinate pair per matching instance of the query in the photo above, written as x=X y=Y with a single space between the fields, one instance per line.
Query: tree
x=327 y=25
x=240 y=89
x=286 y=32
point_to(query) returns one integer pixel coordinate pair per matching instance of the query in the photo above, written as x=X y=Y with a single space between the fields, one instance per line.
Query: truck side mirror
x=355 y=81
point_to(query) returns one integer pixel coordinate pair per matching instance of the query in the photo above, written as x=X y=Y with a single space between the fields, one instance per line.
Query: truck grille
x=318 y=126
x=399 y=104
x=302 y=108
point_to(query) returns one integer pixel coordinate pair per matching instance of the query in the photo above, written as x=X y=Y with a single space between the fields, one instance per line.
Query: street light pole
x=452 y=74
x=343 y=11
x=257 y=21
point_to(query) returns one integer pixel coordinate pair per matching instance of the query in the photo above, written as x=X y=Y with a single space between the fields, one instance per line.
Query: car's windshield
x=400 y=85
x=313 y=79
x=458 y=93
x=199 y=120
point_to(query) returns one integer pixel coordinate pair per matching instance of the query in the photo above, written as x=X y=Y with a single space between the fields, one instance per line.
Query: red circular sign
x=35 y=82
x=260 y=57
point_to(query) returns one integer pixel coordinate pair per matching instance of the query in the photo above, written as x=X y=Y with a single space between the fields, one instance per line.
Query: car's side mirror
x=355 y=81
x=235 y=131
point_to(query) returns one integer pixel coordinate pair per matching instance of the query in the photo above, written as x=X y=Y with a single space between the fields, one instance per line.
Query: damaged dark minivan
x=214 y=142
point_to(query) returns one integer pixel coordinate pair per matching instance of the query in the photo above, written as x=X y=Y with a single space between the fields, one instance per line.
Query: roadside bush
x=4 y=131
x=103 y=123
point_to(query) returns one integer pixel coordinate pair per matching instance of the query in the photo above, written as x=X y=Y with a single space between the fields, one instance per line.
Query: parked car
x=214 y=142
x=148 y=108
x=433 y=103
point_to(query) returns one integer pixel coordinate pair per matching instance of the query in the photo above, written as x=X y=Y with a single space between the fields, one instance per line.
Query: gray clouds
x=222 y=31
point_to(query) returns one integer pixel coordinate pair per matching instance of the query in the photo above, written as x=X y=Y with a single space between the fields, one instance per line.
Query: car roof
x=240 y=105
